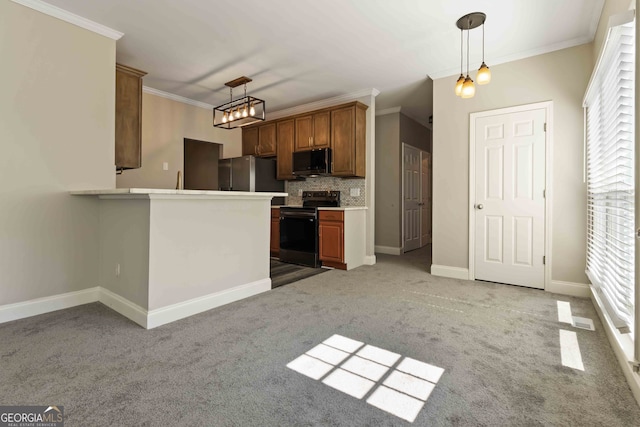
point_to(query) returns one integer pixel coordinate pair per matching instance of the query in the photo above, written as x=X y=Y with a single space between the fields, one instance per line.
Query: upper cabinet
x=284 y=138
x=348 y=140
x=341 y=128
x=313 y=131
x=259 y=141
x=128 y=137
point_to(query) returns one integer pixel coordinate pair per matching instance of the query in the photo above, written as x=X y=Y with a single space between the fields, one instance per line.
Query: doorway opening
x=416 y=201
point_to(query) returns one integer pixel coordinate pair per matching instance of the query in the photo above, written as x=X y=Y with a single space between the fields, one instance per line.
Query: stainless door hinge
x=544 y=194
x=545 y=127
x=544 y=259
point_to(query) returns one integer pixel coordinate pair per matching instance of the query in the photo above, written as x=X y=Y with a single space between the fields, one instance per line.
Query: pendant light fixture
x=464 y=85
x=240 y=112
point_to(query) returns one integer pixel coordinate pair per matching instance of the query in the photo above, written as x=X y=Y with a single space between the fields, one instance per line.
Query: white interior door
x=425 y=203
x=411 y=197
x=509 y=198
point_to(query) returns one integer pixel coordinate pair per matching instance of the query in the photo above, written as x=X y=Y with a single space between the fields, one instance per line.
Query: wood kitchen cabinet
x=274 y=246
x=128 y=132
x=285 y=140
x=313 y=131
x=259 y=141
x=348 y=140
x=331 y=239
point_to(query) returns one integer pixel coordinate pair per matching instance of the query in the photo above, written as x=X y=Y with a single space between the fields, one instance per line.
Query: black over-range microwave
x=312 y=162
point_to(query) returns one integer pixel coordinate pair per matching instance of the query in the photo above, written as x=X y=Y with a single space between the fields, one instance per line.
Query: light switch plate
x=355 y=192
x=165 y=166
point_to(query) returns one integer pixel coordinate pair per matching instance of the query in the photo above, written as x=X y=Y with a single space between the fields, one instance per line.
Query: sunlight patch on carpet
x=397 y=385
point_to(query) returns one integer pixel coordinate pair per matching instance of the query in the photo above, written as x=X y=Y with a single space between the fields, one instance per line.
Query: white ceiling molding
x=386 y=111
x=324 y=103
x=71 y=18
x=520 y=55
x=163 y=94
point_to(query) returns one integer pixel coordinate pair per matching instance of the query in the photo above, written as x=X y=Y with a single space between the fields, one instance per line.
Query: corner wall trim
x=71 y=18
x=44 y=305
x=124 y=306
x=386 y=111
x=633 y=379
x=164 y=315
x=569 y=288
x=389 y=250
x=450 y=272
x=370 y=260
x=178 y=98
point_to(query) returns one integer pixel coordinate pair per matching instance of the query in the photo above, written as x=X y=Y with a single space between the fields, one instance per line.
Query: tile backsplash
x=327 y=183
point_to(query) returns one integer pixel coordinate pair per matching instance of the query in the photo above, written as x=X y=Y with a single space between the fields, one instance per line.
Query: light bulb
x=484 y=74
x=468 y=88
x=252 y=110
x=245 y=111
x=459 y=85
x=224 y=117
x=231 y=115
x=238 y=113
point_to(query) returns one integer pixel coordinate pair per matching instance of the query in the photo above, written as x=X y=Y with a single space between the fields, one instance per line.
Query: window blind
x=609 y=104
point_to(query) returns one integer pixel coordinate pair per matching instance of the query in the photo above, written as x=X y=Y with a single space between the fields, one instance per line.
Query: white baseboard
x=370 y=260
x=144 y=318
x=389 y=250
x=450 y=272
x=44 y=305
x=569 y=288
x=124 y=306
x=188 y=308
x=618 y=343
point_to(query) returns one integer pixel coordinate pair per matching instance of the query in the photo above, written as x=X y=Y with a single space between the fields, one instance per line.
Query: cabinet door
x=267 y=140
x=284 y=158
x=128 y=129
x=250 y=141
x=275 y=236
x=304 y=133
x=321 y=130
x=343 y=141
x=331 y=236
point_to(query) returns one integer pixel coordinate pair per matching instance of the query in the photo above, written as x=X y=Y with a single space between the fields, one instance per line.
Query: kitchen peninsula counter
x=168 y=254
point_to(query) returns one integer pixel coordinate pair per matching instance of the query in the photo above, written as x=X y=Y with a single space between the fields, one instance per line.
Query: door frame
x=548 y=107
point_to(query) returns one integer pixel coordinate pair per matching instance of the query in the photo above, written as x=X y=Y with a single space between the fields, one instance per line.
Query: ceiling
x=299 y=51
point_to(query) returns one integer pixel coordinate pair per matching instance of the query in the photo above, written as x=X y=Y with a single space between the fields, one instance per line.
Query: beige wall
x=165 y=124
x=388 y=204
x=560 y=77
x=56 y=134
x=413 y=133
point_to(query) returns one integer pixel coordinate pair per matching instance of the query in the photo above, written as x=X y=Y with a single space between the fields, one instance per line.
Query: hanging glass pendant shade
x=484 y=74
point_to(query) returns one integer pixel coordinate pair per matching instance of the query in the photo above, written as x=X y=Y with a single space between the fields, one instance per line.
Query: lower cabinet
x=274 y=247
x=331 y=239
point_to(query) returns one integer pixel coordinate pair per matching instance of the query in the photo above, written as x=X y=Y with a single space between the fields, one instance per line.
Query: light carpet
x=498 y=345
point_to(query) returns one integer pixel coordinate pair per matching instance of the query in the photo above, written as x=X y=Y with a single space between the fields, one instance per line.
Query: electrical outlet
x=299 y=193
x=117 y=270
x=165 y=166
x=354 y=192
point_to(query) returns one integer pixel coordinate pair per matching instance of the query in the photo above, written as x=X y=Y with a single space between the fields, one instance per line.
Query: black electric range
x=299 y=227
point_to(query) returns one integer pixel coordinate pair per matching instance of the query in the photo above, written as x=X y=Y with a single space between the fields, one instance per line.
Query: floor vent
x=583 y=323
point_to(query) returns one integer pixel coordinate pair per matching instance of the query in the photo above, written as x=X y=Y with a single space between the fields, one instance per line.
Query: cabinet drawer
x=331 y=215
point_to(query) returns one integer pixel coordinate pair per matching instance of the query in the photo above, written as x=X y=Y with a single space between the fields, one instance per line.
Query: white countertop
x=169 y=192
x=341 y=208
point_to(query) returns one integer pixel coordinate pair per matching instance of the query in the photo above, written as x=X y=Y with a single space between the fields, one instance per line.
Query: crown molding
x=71 y=18
x=520 y=55
x=163 y=94
x=323 y=103
x=386 y=111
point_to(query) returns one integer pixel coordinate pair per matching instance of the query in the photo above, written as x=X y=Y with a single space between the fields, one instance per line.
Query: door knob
x=480 y=206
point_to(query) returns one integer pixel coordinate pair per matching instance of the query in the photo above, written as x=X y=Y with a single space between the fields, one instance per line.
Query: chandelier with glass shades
x=464 y=86
x=239 y=112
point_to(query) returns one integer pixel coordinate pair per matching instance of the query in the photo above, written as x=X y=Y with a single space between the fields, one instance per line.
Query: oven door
x=299 y=237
